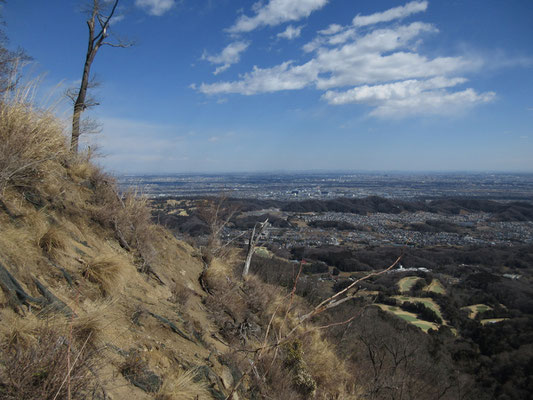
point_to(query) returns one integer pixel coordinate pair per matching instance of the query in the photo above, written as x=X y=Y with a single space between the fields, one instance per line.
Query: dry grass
x=32 y=143
x=326 y=368
x=18 y=331
x=53 y=240
x=108 y=271
x=92 y=320
x=183 y=386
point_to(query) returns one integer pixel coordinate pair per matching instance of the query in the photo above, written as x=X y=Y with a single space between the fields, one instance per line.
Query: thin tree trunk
x=251 y=245
x=95 y=42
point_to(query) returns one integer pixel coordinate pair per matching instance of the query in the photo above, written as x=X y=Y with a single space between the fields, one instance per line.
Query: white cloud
x=410 y=97
x=291 y=32
x=389 y=91
x=155 y=7
x=276 y=12
x=359 y=61
x=332 y=29
x=281 y=77
x=391 y=14
x=230 y=55
x=379 y=67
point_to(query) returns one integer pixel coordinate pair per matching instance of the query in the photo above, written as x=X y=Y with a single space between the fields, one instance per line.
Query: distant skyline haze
x=295 y=85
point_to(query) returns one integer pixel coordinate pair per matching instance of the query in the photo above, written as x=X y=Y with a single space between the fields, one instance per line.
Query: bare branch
x=120 y=45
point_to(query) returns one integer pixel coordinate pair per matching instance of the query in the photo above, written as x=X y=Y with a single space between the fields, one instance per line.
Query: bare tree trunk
x=254 y=237
x=96 y=40
x=79 y=105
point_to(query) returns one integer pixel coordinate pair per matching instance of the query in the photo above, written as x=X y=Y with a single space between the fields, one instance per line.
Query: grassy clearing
x=474 y=309
x=427 y=301
x=436 y=287
x=405 y=284
x=409 y=317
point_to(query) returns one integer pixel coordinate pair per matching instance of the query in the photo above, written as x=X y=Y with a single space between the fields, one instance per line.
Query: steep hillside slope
x=98 y=302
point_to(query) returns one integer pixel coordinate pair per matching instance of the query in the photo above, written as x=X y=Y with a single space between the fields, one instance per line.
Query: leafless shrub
x=38 y=371
x=217 y=214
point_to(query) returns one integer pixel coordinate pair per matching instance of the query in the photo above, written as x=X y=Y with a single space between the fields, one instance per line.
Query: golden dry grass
x=108 y=271
x=17 y=330
x=183 y=386
x=53 y=240
x=32 y=142
x=321 y=361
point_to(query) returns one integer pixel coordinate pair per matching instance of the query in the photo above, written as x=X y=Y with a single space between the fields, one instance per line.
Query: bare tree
x=254 y=237
x=217 y=213
x=11 y=61
x=100 y=15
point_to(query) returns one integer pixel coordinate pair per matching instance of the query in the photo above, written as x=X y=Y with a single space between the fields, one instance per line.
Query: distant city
x=301 y=186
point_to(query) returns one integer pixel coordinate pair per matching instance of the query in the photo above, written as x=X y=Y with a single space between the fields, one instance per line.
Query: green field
x=427 y=301
x=409 y=317
x=436 y=287
x=405 y=284
x=474 y=309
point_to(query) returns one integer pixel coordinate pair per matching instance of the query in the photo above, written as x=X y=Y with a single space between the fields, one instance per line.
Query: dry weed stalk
x=298 y=330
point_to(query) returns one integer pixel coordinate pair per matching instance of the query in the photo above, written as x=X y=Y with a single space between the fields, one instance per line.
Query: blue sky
x=230 y=85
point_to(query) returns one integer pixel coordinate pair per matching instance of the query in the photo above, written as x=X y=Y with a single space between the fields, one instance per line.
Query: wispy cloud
x=379 y=67
x=276 y=12
x=156 y=7
x=391 y=14
x=231 y=54
x=291 y=32
x=117 y=18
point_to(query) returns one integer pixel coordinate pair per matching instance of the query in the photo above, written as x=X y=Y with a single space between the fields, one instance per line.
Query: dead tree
x=98 y=24
x=254 y=237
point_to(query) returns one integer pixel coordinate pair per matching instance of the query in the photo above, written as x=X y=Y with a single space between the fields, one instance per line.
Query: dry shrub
x=108 y=271
x=128 y=215
x=227 y=299
x=37 y=371
x=32 y=143
x=104 y=203
x=180 y=294
x=183 y=386
x=82 y=169
x=323 y=364
x=135 y=223
x=52 y=240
